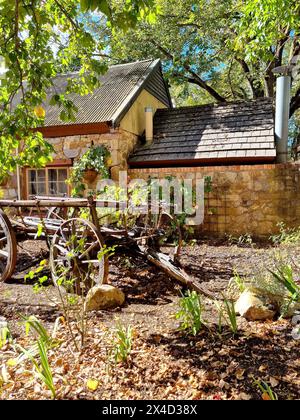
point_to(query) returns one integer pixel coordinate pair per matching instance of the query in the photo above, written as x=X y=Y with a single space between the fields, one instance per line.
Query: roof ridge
x=216 y=105
x=73 y=73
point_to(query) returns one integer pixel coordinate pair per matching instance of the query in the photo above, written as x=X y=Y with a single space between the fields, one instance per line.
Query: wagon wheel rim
x=8 y=248
x=77 y=256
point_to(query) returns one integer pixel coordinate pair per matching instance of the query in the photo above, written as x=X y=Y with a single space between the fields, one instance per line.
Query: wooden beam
x=75 y=129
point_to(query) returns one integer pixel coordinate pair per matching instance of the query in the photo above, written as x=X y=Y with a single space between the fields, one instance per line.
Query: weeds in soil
x=228 y=314
x=267 y=392
x=41 y=367
x=286 y=236
x=38 y=352
x=231 y=316
x=240 y=283
x=5 y=336
x=32 y=323
x=241 y=241
x=73 y=305
x=190 y=313
x=284 y=275
x=121 y=343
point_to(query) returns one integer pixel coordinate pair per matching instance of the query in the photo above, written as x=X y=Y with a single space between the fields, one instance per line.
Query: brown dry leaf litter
x=164 y=363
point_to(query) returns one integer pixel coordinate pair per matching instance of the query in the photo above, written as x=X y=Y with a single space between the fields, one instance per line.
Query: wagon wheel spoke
x=87 y=251
x=3 y=253
x=8 y=248
x=61 y=249
x=74 y=252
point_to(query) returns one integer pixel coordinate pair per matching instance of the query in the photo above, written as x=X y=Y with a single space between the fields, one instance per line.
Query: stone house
x=233 y=143
x=113 y=115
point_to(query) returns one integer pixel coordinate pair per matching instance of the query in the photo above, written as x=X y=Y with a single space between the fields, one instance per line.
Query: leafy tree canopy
x=218 y=50
x=38 y=38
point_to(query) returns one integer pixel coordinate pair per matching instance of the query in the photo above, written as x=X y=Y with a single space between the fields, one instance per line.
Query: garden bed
x=164 y=363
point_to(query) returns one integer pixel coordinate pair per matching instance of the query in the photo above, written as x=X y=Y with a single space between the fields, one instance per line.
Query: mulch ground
x=165 y=363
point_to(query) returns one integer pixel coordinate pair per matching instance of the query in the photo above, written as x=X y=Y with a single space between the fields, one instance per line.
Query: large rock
x=255 y=307
x=104 y=297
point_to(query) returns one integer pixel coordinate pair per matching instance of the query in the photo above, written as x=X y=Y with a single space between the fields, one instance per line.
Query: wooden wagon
x=79 y=247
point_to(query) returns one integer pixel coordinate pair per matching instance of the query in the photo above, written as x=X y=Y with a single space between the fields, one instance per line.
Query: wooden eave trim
x=75 y=129
x=54 y=163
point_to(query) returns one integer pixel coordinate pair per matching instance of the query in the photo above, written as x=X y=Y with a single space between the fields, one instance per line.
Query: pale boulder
x=255 y=307
x=104 y=296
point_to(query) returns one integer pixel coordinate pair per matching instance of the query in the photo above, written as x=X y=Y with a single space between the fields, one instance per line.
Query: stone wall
x=119 y=142
x=244 y=199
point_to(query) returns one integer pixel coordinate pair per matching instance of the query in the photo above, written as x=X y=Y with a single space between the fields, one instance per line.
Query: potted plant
x=90 y=175
x=88 y=167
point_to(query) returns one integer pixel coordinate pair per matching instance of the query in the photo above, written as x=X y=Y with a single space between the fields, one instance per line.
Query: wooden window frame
x=46 y=168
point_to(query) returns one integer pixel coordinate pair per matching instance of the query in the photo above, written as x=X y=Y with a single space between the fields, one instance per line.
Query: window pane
x=52 y=175
x=41 y=175
x=52 y=188
x=62 y=174
x=41 y=187
x=32 y=176
x=62 y=188
x=32 y=189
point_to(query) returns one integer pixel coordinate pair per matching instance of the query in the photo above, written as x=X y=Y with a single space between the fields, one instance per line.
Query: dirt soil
x=165 y=363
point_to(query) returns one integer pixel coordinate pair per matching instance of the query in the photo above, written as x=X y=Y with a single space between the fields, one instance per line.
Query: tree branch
x=257 y=92
x=195 y=78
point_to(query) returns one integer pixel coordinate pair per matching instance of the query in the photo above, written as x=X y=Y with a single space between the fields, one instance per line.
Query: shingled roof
x=231 y=132
x=118 y=89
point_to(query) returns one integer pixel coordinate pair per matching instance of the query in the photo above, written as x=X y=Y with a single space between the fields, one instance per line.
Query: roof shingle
x=232 y=131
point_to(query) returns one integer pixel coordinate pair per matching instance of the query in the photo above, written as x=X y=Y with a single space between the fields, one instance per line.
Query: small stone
x=104 y=296
x=254 y=307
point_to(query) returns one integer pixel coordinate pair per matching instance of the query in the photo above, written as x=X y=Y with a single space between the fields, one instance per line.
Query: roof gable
x=232 y=132
x=118 y=89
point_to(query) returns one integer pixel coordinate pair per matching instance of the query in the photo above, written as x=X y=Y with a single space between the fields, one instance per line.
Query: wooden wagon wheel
x=155 y=229
x=77 y=259
x=8 y=248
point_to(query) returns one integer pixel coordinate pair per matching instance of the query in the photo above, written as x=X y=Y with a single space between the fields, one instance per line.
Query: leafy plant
x=267 y=392
x=284 y=275
x=228 y=314
x=121 y=343
x=32 y=323
x=5 y=336
x=239 y=281
x=286 y=236
x=95 y=158
x=231 y=315
x=241 y=241
x=42 y=368
x=190 y=313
